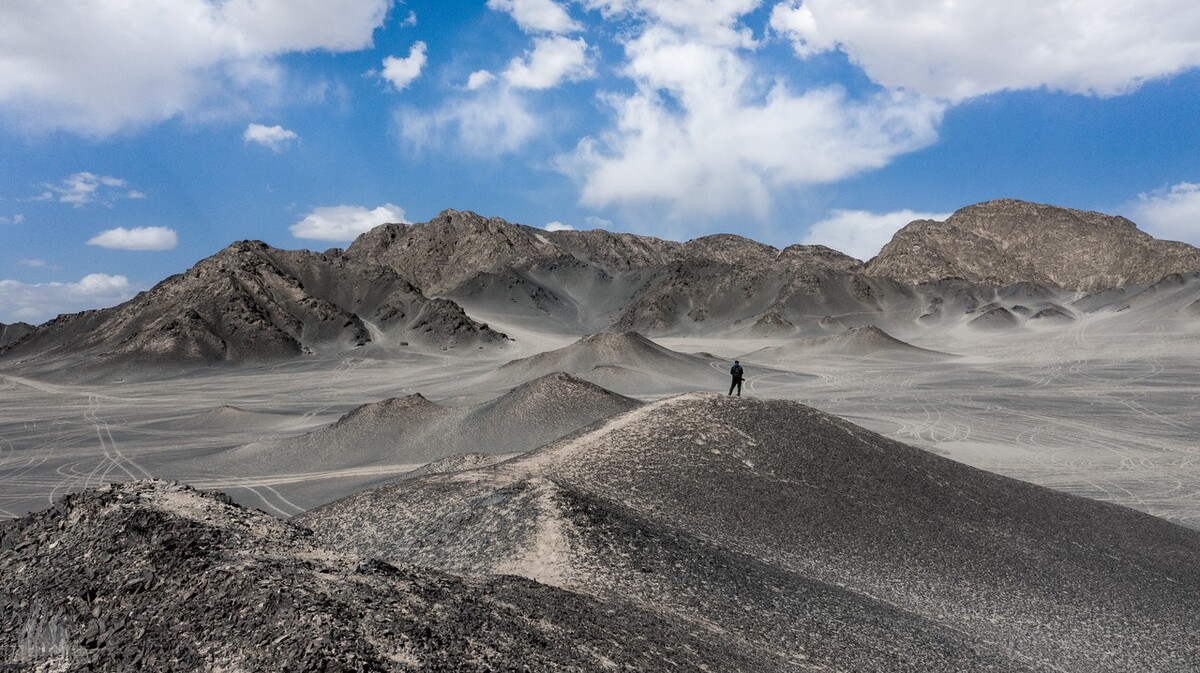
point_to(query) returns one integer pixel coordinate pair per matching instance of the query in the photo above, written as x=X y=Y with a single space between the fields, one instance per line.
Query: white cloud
x=38 y=302
x=861 y=234
x=275 y=138
x=598 y=222
x=558 y=226
x=702 y=136
x=33 y=263
x=959 y=50
x=479 y=79
x=344 y=223
x=537 y=16
x=710 y=21
x=488 y=123
x=15 y=218
x=97 y=67
x=552 y=60
x=400 y=72
x=83 y=188
x=137 y=238
x=1172 y=213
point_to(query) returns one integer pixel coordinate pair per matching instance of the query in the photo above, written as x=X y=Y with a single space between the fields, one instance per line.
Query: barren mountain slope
x=151 y=576
x=1005 y=241
x=13 y=332
x=774 y=523
x=251 y=302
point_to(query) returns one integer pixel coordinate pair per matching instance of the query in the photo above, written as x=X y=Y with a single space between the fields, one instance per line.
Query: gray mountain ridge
x=432 y=285
x=253 y=303
x=777 y=529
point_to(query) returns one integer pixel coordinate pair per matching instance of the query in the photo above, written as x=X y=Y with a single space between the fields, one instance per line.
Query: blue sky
x=139 y=137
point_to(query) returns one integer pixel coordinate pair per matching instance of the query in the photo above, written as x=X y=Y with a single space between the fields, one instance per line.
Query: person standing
x=736 y=372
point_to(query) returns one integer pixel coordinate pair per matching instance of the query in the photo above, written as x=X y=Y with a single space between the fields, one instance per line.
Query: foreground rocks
x=158 y=577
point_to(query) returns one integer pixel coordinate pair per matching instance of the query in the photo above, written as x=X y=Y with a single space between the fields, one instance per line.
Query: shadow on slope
x=777 y=525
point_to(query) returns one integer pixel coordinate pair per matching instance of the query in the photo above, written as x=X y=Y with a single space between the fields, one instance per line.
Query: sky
x=138 y=137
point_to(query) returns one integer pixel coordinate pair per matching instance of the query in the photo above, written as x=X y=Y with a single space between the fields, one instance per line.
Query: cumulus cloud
x=345 y=223
x=702 y=136
x=598 y=222
x=275 y=138
x=552 y=60
x=537 y=16
x=137 y=238
x=38 y=302
x=487 y=123
x=15 y=218
x=1172 y=213
x=479 y=79
x=558 y=226
x=83 y=188
x=97 y=67
x=861 y=234
x=959 y=50
x=400 y=72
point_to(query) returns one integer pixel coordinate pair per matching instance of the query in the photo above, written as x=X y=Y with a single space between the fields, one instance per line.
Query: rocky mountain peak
x=1007 y=241
x=819 y=256
x=730 y=249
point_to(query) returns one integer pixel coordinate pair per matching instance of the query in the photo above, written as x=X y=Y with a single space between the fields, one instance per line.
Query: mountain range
x=433 y=286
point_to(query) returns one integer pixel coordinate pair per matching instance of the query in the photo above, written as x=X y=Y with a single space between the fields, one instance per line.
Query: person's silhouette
x=736 y=372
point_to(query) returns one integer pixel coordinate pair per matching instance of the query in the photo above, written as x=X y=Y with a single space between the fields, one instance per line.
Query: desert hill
x=789 y=530
x=619 y=361
x=1006 y=241
x=854 y=342
x=252 y=303
x=413 y=430
x=155 y=576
